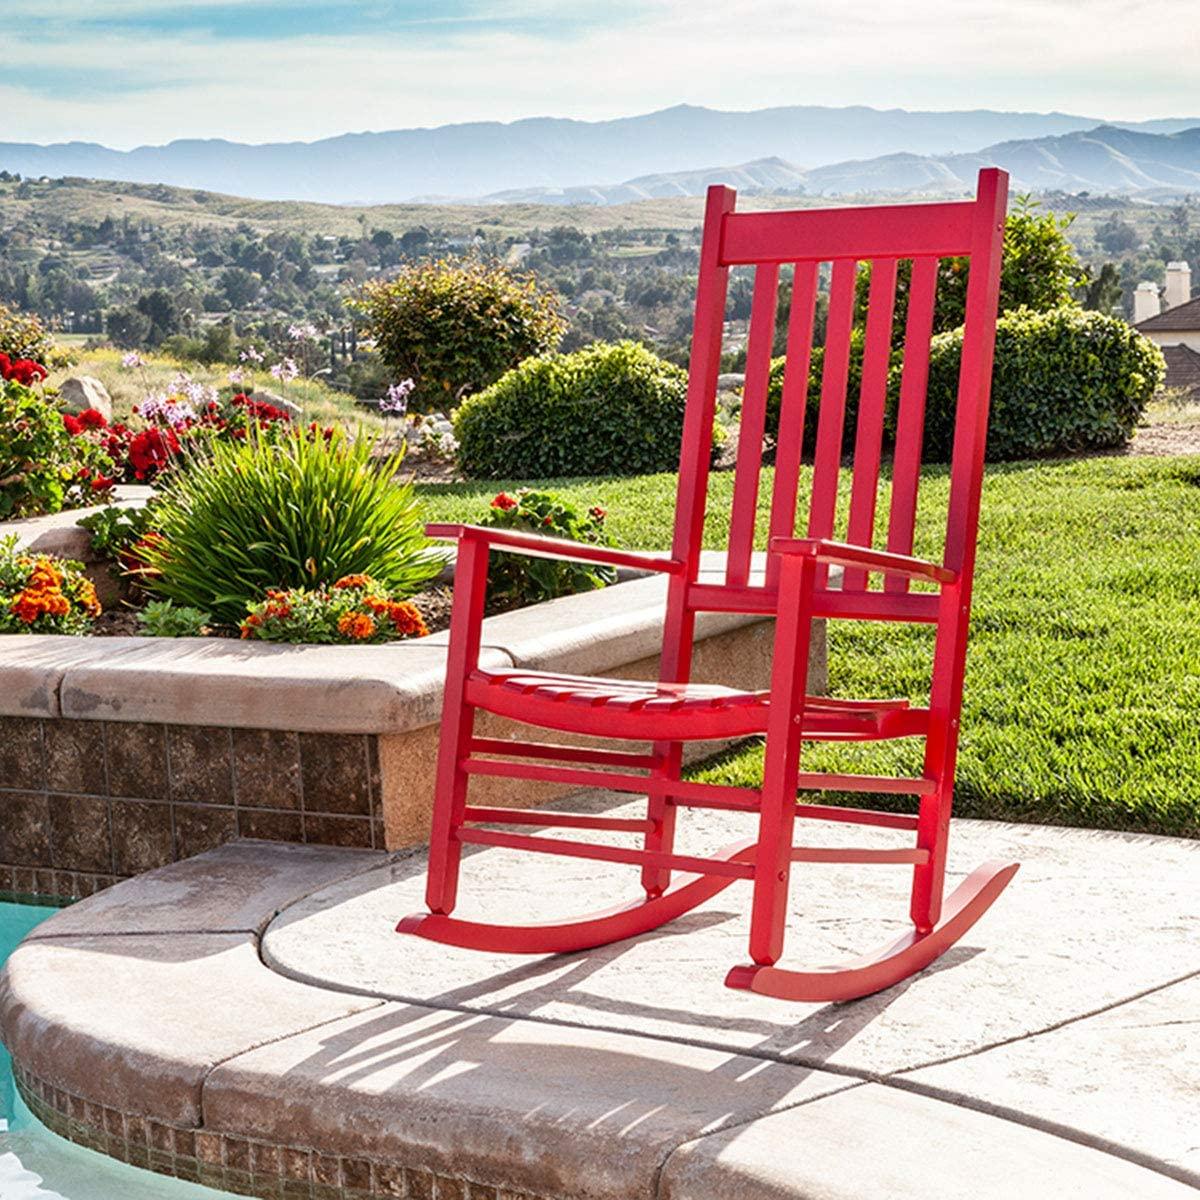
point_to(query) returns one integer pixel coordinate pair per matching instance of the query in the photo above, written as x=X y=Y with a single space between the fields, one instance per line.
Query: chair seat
x=645 y=710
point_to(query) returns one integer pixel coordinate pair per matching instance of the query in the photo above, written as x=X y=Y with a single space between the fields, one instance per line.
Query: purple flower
x=283 y=371
x=303 y=332
x=237 y=376
x=132 y=360
x=251 y=355
x=396 y=400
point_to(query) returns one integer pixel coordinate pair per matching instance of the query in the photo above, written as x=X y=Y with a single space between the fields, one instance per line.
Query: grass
x=1083 y=680
x=127 y=387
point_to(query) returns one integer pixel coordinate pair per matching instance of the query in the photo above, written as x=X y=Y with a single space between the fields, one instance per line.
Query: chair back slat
x=789 y=441
x=868 y=442
x=910 y=416
x=754 y=413
x=831 y=418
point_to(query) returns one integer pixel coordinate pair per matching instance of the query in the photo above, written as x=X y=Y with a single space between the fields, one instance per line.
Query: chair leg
x=656 y=880
x=449 y=803
x=458 y=725
x=928 y=886
x=781 y=768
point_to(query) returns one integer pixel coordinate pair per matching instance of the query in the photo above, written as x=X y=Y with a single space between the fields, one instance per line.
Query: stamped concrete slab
x=234 y=889
x=216 y=681
x=903 y=1147
x=1091 y=919
x=142 y=1020
x=515 y=1104
x=1128 y=1077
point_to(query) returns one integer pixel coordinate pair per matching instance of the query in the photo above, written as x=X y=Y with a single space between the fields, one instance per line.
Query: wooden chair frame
x=798 y=587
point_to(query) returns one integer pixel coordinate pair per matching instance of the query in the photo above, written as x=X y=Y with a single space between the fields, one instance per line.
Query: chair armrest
x=516 y=541
x=864 y=558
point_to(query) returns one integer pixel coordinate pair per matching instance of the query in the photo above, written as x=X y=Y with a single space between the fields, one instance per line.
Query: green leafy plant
x=354 y=609
x=297 y=511
x=1065 y=380
x=22 y=335
x=455 y=327
x=162 y=618
x=608 y=409
x=515 y=580
x=43 y=468
x=116 y=528
x=42 y=594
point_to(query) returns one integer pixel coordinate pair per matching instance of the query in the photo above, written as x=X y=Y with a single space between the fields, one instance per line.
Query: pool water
x=36 y=1164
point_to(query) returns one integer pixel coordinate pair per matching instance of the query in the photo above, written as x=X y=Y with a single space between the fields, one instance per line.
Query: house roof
x=1183 y=317
x=1183 y=368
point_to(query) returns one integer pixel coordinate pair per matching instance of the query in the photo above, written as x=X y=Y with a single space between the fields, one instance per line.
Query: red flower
x=92 y=418
x=152 y=450
x=597 y=512
x=504 y=501
x=73 y=425
x=22 y=370
x=102 y=483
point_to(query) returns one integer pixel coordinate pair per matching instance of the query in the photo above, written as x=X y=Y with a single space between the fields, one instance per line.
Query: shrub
x=24 y=336
x=1065 y=380
x=609 y=409
x=39 y=594
x=355 y=608
x=43 y=468
x=456 y=327
x=516 y=579
x=293 y=512
x=161 y=618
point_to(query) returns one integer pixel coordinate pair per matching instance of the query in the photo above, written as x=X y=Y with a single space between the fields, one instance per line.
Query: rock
x=731 y=382
x=82 y=392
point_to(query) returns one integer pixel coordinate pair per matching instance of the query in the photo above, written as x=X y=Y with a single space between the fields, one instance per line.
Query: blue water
x=36 y=1164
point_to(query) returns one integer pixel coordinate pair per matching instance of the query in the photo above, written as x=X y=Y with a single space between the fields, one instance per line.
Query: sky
x=136 y=72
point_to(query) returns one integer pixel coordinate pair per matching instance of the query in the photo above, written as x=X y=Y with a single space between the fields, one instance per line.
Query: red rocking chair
x=797 y=588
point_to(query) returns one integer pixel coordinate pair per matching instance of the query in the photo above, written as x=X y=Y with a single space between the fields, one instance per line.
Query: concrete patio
x=249 y=1018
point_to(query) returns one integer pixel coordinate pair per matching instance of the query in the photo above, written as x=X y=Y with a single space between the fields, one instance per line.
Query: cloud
x=183 y=73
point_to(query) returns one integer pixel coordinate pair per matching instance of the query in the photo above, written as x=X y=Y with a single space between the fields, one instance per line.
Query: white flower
x=304 y=332
x=396 y=400
x=250 y=354
x=237 y=376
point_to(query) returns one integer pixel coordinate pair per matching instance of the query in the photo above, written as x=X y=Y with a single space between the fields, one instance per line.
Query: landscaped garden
x=288 y=518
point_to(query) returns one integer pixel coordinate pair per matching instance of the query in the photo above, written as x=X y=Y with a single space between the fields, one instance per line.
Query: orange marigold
x=88 y=598
x=353 y=581
x=407 y=619
x=357 y=625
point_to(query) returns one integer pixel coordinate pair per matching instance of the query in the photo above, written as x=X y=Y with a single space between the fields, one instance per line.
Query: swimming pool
x=36 y=1164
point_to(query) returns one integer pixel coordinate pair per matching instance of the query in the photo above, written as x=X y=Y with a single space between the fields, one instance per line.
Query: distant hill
x=1107 y=159
x=484 y=158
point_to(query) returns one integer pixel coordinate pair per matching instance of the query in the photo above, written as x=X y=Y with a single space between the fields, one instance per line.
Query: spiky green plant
x=303 y=511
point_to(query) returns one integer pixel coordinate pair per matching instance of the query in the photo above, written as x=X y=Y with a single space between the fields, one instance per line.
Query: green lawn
x=1083 y=683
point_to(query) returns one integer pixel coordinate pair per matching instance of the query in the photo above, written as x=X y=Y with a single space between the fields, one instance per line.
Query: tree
x=1103 y=293
x=457 y=326
x=160 y=307
x=241 y=287
x=127 y=327
x=1117 y=236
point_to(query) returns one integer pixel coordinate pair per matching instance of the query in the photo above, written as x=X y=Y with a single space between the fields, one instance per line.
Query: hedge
x=1065 y=380
x=608 y=409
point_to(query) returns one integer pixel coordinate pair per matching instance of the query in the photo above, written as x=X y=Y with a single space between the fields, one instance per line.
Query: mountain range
x=1105 y=160
x=819 y=148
